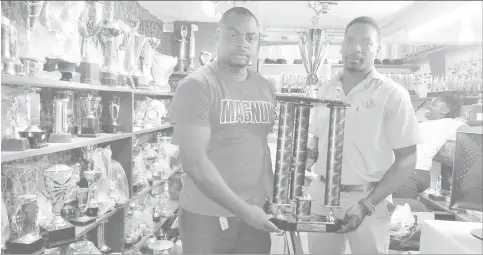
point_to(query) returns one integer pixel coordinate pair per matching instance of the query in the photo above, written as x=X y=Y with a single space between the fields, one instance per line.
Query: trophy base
x=109 y=79
x=114 y=128
x=83 y=221
x=29 y=244
x=18 y=144
x=58 y=235
x=60 y=138
x=89 y=73
x=36 y=139
x=8 y=68
x=437 y=197
x=141 y=82
x=137 y=188
x=67 y=69
x=70 y=76
x=92 y=212
x=88 y=132
x=311 y=223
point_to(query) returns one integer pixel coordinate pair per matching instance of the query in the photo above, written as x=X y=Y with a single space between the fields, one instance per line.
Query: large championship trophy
x=90 y=24
x=111 y=39
x=57 y=183
x=290 y=204
x=25 y=238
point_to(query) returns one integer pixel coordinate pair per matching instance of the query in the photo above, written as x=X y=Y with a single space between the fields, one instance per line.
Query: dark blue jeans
x=418 y=182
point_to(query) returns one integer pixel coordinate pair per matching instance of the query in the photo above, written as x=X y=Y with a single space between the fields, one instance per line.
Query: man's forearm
x=207 y=178
x=268 y=180
x=392 y=180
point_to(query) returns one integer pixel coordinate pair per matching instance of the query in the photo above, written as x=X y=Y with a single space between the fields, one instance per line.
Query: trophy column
x=194 y=28
x=37 y=137
x=61 y=132
x=182 y=60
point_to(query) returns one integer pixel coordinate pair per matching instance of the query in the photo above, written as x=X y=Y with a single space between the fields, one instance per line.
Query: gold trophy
x=56 y=184
x=192 y=53
x=61 y=132
x=36 y=136
x=114 y=106
x=90 y=24
x=14 y=142
x=25 y=238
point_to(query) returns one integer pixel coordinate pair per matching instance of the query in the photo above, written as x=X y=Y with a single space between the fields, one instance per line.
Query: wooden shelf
x=32 y=81
x=77 y=142
x=154 y=129
x=47 y=83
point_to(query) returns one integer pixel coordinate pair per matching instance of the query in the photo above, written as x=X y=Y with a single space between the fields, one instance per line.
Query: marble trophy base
x=82 y=221
x=109 y=79
x=114 y=128
x=8 y=67
x=55 y=236
x=311 y=223
x=37 y=139
x=92 y=211
x=28 y=244
x=89 y=73
x=142 y=82
x=60 y=138
x=15 y=144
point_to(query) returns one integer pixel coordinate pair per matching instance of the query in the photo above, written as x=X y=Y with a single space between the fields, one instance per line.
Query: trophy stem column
x=334 y=156
x=302 y=116
x=283 y=163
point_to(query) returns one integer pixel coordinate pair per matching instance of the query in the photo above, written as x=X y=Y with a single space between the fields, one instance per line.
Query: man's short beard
x=354 y=70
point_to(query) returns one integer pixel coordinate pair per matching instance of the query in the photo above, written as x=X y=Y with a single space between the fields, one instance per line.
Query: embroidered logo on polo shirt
x=370 y=103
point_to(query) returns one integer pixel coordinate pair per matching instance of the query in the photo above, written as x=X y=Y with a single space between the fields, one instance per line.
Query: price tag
x=223 y=223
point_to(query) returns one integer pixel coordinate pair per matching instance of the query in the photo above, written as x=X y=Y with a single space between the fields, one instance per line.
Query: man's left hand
x=353 y=218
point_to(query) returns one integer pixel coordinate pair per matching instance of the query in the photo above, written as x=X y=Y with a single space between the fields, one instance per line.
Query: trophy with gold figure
x=36 y=136
x=90 y=24
x=25 y=238
x=57 y=183
x=14 y=142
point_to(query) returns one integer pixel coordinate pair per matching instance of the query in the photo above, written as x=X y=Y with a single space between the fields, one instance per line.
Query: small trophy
x=59 y=182
x=90 y=24
x=37 y=137
x=25 y=238
x=83 y=201
x=182 y=60
x=90 y=122
x=114 y=106
x=192 y=54
x=14 y=142
x=140 y=108
x=61 y=132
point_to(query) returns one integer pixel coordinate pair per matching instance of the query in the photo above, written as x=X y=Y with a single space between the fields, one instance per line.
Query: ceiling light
x=209 y=7
x=445 y=20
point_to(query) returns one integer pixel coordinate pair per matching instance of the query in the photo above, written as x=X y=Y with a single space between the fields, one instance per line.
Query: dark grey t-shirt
x=240 y=114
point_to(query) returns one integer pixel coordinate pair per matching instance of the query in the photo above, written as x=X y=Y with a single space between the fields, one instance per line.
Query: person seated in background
x=440 y=127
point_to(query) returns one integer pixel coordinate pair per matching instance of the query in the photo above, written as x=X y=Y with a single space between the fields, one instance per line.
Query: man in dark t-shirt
x=222 y=114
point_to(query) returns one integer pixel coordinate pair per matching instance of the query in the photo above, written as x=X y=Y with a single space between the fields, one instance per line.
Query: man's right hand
x=257 y=218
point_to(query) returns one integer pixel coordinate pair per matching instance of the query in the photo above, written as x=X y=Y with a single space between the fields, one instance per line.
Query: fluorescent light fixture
x=464 y=11
x=208 y=8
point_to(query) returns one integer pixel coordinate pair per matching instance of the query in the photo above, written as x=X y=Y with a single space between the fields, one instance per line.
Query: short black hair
x=453 y=103
x=366 y=20
x=240 y=11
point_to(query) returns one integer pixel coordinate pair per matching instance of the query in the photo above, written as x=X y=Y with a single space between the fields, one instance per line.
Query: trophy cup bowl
x=14 y=142
x=90 y=24
x=90 y=122
x=114 y=107
x=61 y=132
x=59 y=181
x=83 y=201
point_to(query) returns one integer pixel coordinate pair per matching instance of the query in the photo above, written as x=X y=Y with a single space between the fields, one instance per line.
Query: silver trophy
x=14 y=142
x=140 y=108
x=192 y=54
x=90 y=122
x=114 y=107
x=125 y=78
x=25 y=238
x=36 y=136
x=57 y=183
x=61 y=132
x=182 y=58
x=313 y=46
x=136 y=45
x=9 y=47
x=84 y=197
x=111 y=39
x=101 y=238
x=33 y=12
x=147 y=57
x=90 y=24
